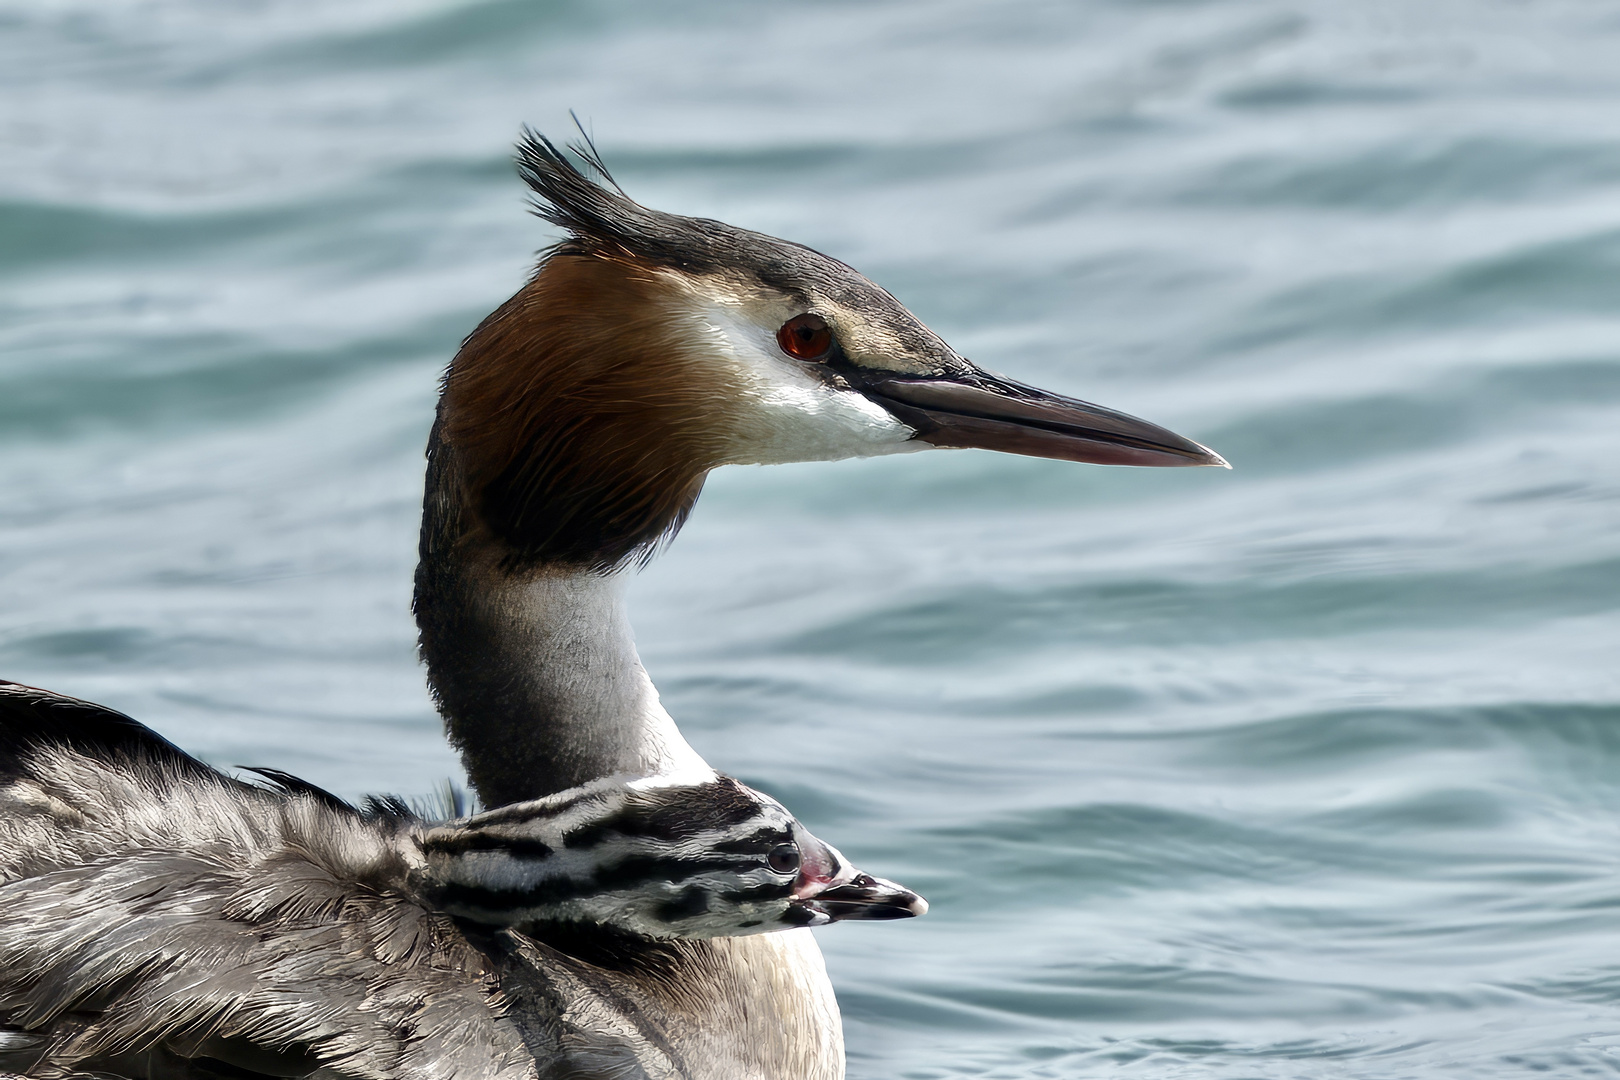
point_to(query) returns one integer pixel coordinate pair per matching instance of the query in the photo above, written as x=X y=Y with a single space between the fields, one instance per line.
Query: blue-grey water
x=1309 y=769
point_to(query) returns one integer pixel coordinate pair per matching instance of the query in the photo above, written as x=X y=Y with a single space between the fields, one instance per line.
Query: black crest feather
x=600 y=216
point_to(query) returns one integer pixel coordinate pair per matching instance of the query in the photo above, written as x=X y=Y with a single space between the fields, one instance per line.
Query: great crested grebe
x=575 y=428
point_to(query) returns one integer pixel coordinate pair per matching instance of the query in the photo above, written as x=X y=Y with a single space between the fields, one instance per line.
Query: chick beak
x=868 y=897
x=829 y=890
x=990 y=412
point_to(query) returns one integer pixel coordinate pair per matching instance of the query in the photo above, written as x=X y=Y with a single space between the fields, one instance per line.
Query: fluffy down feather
x=161 y=921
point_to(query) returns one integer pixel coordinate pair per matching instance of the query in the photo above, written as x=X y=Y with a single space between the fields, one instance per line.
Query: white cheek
x=788 y=414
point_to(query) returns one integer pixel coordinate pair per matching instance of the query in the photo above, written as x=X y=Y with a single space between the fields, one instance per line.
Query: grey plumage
x=159 y=919
x=155 y=913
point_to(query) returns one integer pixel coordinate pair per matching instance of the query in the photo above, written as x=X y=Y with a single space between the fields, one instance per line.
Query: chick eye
x=784 y=858
x=806 y=337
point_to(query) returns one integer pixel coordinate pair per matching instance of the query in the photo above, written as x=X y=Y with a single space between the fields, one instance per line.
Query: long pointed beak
x=990 y=412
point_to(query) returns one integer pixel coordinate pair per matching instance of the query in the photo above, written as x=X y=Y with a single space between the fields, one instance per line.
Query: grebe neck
x=534 y=669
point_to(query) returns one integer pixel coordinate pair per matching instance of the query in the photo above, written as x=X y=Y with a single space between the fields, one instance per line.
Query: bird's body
x=157 y=917
x=159 y=913
x=575 y=428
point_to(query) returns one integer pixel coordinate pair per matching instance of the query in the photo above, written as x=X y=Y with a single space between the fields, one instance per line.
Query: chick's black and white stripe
x=656 y=858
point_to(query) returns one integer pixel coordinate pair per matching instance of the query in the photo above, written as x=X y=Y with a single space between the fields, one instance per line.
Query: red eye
x=806 y=337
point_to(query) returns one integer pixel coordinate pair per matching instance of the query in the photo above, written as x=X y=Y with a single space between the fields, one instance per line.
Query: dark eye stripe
x=692 y=903
x=625 y=875
x=641 y=869
x=757 y=842
x=756 y=893
x=674 y=815
x=517 y=847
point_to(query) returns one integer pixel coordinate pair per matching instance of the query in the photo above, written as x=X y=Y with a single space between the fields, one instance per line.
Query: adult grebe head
x=649 y=348
x=578 y=421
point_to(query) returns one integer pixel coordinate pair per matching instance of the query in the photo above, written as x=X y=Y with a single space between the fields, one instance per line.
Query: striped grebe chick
x=656 y=858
